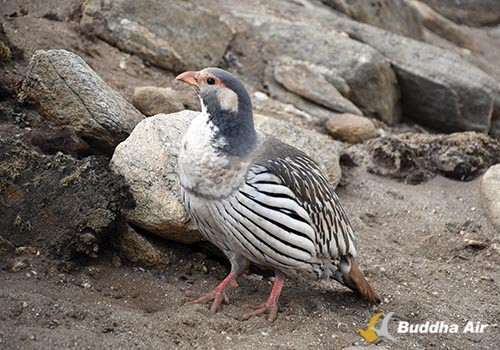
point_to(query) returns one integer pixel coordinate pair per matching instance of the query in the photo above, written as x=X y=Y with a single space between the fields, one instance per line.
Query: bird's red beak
x=189 y=77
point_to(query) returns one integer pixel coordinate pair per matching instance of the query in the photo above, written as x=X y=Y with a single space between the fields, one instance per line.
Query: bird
x=262 y=202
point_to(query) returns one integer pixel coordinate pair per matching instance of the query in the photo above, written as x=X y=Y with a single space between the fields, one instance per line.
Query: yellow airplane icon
x=369 y=334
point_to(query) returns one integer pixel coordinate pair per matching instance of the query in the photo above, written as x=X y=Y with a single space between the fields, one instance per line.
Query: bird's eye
x=210 y=81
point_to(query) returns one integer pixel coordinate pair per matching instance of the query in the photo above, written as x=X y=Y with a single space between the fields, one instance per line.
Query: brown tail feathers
x=355 y=280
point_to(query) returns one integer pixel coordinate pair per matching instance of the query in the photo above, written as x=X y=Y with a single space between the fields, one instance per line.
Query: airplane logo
x=371 y=334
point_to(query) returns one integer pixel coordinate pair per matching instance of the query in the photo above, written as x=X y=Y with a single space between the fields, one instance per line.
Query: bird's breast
x=202 y=167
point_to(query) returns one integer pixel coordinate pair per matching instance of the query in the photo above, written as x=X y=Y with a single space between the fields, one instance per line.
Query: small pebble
x=261 y=96
x=116 y=261
x=19 y=265
x=475 y=243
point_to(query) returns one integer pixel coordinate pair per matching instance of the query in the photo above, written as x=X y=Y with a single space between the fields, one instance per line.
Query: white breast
x=204 y=169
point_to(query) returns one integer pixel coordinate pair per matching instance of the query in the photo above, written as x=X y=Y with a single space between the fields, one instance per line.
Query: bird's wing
x=282 y=171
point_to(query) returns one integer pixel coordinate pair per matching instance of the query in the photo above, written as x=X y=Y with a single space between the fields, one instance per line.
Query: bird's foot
x=271 y=304
x=261 y=309
x=218 y=295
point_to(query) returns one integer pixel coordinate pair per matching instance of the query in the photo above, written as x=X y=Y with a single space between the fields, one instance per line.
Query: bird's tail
x=351 y=276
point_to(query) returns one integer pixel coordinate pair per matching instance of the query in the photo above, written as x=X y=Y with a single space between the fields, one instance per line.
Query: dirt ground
x=412 y=243
x=427 y=249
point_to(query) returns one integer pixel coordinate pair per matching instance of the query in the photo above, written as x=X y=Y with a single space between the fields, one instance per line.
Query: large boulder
x=470 y=12
x=313 y=83
x=147 y=160
x=438 y=88
x=490 y=194
x=373 y=85
x=393 y=15
x=68 y=93
x=495 y=126
x=176 y=35
x=314 y=114
x=442 y=26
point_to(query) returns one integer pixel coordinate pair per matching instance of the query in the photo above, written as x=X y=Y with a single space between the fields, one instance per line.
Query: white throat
x=210 y=133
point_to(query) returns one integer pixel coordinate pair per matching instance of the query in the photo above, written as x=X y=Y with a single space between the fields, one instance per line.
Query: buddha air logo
x=372 y=334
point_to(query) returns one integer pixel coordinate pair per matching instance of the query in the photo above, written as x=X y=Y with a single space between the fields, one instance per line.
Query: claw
x=218 y=295
x=261 y=309
x=271 y=304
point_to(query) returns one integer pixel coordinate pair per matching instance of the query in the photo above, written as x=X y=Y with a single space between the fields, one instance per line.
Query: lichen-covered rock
x=69 y=93
x=415 y=158
x=176 y=35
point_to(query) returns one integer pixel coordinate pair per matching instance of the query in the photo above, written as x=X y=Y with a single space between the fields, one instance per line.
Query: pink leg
x=271 y=303
x=218 y=294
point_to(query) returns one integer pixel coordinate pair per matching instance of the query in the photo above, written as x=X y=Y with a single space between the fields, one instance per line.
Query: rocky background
x=397 y=100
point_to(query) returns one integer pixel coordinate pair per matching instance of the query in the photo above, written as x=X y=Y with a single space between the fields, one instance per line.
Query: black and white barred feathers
x=285 y=215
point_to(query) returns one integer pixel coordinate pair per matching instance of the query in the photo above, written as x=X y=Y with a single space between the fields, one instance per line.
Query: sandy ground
x=412 y=243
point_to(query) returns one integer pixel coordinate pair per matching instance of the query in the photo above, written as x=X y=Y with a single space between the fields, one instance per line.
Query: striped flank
x=285 y=216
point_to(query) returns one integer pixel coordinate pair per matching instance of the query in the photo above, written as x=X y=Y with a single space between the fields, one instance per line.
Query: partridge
x=259 y=200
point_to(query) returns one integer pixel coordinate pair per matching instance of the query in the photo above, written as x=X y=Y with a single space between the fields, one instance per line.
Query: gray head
x=228 y=106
